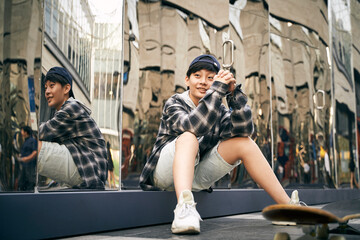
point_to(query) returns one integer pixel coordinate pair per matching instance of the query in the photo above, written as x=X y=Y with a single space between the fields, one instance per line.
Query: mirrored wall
x=283 y=59
x=297 y=61
x=20 y=74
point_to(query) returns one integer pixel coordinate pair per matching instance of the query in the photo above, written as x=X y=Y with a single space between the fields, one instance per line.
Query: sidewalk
x=244 y=226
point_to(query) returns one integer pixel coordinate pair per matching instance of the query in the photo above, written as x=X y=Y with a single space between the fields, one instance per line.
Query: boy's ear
x=67 y=88
x=187 y=81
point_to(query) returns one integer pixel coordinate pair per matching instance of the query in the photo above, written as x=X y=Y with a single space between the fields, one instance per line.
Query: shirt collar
x=187 y=99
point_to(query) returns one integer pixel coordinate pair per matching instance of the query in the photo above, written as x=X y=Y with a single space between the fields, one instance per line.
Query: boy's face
x=24 y=134
x=56 y=94
x=198 y=83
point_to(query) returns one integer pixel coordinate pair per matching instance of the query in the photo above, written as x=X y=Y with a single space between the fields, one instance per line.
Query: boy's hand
x=226 y=77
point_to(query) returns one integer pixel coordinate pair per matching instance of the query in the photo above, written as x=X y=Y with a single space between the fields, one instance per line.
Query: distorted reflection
x=20 y=52
x=85 y=38
x=300 y=95
x=355 y=30
x=344 y=91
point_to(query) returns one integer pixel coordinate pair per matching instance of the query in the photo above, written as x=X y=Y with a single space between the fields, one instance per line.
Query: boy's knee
x=187 y=138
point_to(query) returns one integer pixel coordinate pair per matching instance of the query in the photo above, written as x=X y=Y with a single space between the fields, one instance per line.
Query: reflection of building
x=67 y=42
x=106 y=85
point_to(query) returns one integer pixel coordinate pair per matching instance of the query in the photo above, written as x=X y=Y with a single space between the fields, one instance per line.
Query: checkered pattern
x=210 y=120
x=73 y=127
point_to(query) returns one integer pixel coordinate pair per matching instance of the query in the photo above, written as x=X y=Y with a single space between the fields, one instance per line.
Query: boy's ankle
x=186 y=196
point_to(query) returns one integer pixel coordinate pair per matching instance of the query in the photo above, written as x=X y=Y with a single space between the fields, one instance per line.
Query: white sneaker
x=294 y=200
x=186 y=219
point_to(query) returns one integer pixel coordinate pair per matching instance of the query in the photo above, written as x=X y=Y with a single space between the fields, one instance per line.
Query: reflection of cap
x=205 y=58
x=63 y=74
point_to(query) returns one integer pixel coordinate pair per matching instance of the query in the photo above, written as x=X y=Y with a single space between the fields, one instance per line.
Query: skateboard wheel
x=282 y=236
x=322 y=232
x=337 y=238
x=308 y=229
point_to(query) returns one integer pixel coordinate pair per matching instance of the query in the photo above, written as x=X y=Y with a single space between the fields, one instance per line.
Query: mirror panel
x=20 y=74
x=85 y=37
x=161 y=38
x=355 y=31
x=344 y=91
x=301 y=94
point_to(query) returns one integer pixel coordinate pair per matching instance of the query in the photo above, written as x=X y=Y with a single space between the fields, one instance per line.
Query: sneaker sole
x=185 y=230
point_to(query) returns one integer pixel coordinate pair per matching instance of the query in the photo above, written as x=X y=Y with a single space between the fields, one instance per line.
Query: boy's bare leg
x=186 y=149
x=245 y=148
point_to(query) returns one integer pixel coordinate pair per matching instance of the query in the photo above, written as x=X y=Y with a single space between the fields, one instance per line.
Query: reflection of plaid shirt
x=73 y=127
x=210 y=119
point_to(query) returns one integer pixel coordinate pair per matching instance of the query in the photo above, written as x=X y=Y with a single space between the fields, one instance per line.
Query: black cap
x=206 y=58
x=64 y=74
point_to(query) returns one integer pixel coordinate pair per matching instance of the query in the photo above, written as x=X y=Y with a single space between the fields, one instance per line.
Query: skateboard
x=338 y=213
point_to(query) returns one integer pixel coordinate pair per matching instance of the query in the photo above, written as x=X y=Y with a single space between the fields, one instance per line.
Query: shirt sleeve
x=236 y=122
x=200 y=120
x=61 y=127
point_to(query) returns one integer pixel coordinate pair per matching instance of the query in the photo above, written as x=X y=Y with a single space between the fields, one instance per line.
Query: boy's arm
x=200 y=120
x=29 y=157
x=239 y=121
x=59 y=127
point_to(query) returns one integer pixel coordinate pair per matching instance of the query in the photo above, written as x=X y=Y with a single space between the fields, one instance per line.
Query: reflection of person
x=200 y=141
x=28 y=160
x=327 y=166
x=352 y=174
x=111 y=177
x=73 y=150
x=305 y=166
x=127 y=138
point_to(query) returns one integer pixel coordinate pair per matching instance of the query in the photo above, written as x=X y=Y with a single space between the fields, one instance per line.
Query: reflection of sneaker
x=52 y=184
x=294 y=200
x=186 y=219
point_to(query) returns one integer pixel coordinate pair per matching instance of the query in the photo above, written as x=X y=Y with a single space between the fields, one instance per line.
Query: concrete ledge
x=61 y=214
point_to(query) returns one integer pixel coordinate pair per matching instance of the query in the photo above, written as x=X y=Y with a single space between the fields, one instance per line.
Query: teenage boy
x=200 y=141
x=72 y=150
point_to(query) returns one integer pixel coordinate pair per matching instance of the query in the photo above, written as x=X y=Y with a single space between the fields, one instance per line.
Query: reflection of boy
x=28 y=160
x=73 y=150
x=199 y=141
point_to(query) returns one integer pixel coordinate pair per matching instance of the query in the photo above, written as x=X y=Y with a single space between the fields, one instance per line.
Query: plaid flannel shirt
x=73 y=127
x=210 y=120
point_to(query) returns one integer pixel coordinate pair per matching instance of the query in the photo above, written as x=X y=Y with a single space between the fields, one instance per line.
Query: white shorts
x=210 y=169
x=55 y=162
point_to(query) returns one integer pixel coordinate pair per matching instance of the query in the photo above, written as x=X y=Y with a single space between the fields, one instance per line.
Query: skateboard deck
x=338 y=212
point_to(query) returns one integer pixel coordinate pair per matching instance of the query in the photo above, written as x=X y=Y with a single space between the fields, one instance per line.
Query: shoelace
x=188 y=208
x=297 y=202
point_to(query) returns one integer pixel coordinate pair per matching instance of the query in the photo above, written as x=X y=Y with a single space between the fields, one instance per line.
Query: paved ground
x=244 y=226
